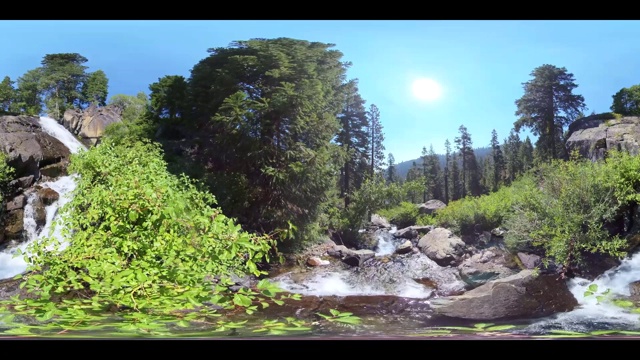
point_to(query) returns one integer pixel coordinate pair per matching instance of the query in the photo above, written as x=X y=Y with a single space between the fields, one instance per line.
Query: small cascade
x=11 y=265
x=387 y=243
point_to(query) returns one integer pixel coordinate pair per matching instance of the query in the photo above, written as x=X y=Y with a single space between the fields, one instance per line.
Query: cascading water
x=11 y=265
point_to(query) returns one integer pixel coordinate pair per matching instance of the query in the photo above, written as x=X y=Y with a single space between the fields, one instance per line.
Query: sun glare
x=426 y=89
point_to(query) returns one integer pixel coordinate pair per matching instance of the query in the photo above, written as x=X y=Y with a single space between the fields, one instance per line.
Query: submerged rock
x=487 y=265
x=523 y=295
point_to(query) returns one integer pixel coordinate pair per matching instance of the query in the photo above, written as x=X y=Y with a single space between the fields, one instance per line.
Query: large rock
x=89 y=124
x=412 y=232
x=27 y=147
x=593 y=136
x=431 y=206
x=523 y=295
x=380 y=222
x=441 y=246
x=486 y=265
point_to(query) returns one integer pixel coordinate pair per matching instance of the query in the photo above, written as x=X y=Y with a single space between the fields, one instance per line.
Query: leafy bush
x=486 y=211
x=403 y=215
x=142 y=238
x=6 y=174
x=566 y=213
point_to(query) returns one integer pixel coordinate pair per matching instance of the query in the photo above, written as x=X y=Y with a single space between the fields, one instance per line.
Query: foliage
x=136 y=121
x=486 y=211
x=547 y=106
x=403 y=215
x=341 y=317
x=564 y=212
x=169 y=97
x=143 y=240
x=62 y=77
x=267 y=110
x=6 y=175
x=7 y=94
x=627 y=101
x=376 y=140
x=95 y=88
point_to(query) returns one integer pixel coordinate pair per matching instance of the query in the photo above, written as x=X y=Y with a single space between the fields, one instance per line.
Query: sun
x=426 y=89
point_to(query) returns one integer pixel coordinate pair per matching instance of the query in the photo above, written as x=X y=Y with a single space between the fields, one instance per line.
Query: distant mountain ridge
x=403 y=168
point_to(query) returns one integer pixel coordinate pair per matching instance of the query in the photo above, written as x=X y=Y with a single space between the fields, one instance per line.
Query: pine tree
x=498 y=161
x=353 y=140
x=547 y=107
x=7 y=94
x=456 y=186
x=392 y=175
x=447 y=163
x=95 y=88
x=464 y=146
x=376 y=139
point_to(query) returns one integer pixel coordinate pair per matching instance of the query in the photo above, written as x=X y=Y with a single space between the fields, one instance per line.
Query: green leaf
x=334 y=312
x=500 y=327
x=133 y=216
x=593 y=288
x=241 y=300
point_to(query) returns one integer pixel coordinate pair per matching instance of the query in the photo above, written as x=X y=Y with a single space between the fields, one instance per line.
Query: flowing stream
x=11 y=265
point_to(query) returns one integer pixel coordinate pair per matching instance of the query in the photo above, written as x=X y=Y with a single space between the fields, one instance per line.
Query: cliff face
x=593 y=136
x=89 y=124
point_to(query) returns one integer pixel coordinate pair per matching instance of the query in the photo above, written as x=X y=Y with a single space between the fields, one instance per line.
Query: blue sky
x=480 y=65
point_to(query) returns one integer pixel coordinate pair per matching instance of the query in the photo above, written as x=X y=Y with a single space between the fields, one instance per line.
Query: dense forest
x=287 y=148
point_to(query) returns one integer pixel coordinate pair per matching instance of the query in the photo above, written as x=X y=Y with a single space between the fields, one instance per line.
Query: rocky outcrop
x=442 y=246
x=28 y=148
x=431 y=206
x=89 y=124
x=594 y=135
x=523 y=295
x=35 y=156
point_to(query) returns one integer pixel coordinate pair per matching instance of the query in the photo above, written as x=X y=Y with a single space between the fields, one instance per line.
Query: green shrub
x=566 y=213
x=142 y=238
x=6 y=174
x=403 y=215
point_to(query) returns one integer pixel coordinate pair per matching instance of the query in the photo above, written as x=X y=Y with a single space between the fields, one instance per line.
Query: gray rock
x=523 y=295
x=441 y=246
x=594 y=136
x=379 y=221
x=89 y=124
x=529 y=261
x=412 y=232
x=404 y=248
x=357 y=257
x=431 y=206
x=17 y=203
x=487 y=265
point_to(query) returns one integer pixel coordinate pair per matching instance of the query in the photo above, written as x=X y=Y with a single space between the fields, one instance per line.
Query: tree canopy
x=548 y=106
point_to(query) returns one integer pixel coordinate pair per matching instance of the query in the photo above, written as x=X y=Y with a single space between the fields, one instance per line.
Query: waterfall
x=11 y=265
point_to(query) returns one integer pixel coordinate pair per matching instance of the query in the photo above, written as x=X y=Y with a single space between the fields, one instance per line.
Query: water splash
x=53 y=128
x=387 y=243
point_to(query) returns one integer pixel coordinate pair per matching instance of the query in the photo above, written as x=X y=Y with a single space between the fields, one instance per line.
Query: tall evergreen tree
x=497 y=161
x=353 y=140
x=7 y=94
x=267 y=112
x=169 y=97
x=627 y=101
x=29 y=93
x=96 y=88
x=62 y=77
x=525 y=154
x=447 y=164
x=548 y=106
x=392 y=175
x=434 y=175
x=456 y=184
x=464 y=146
x=512 y=160
x=376 y=139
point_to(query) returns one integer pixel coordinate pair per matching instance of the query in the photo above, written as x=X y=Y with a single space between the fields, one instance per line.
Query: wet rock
x=404 y=248
x=39 y=213
x=431 y=206
x=316 y=261
x=359 y=305
x=357 y=257
x=594 y=265
x=487 y=265
x=11 y=287
x=441 y=246
x=339 y=251
x=18 y=185
x=14 y=225
x=380 y=222
x=523 y=295
x=48 y=196
x=17 y=203
x=634 y=289
x=412 y=232
x=54 y=170
x=529 y=261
